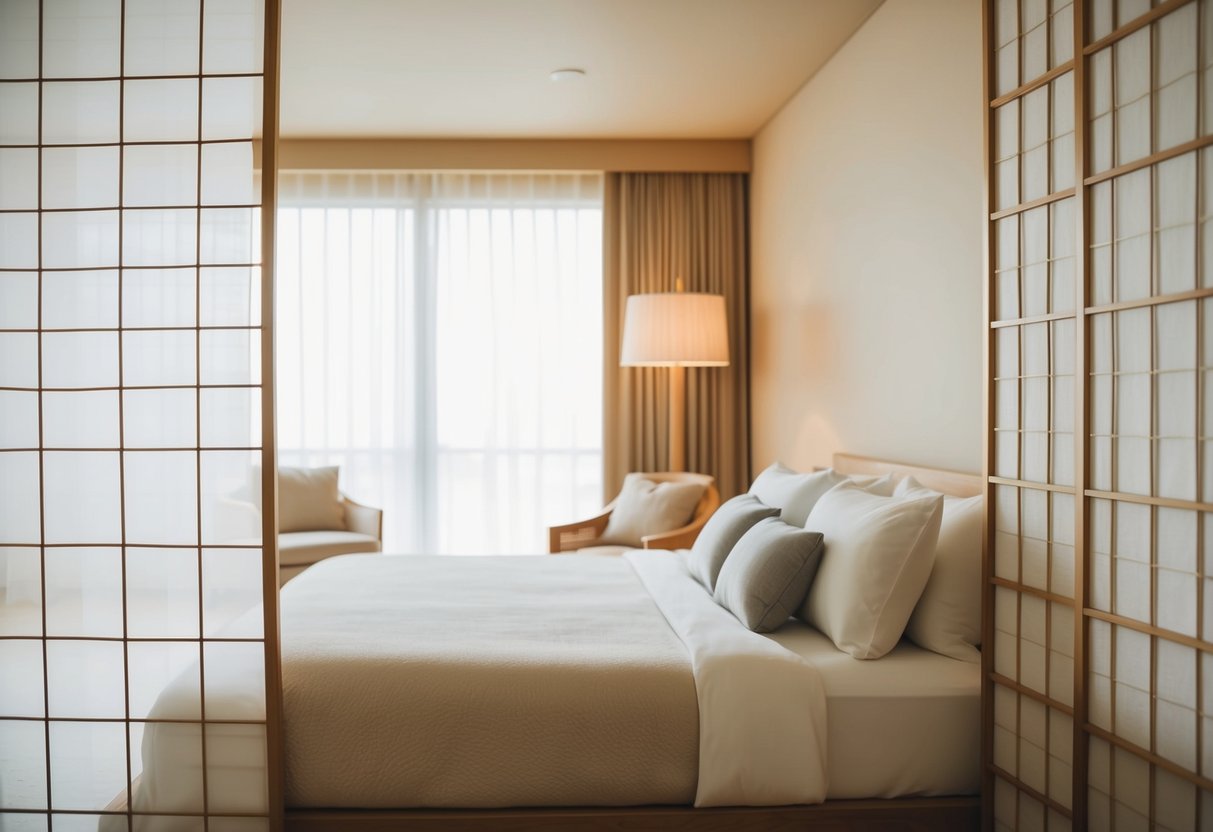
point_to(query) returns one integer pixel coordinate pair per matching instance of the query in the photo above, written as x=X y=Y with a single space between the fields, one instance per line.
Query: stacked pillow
x=947 y=619
x=881 y=550
x=864 y=560
x=721 y=533
x=768 y=572
x=756 y=565
x=795 y=494
x=754 y=554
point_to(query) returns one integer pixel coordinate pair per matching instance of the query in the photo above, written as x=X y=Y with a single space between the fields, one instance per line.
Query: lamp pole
x=678 y=407
x=678 y=404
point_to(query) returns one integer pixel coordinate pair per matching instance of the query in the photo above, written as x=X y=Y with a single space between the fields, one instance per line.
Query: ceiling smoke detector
x=571 y=74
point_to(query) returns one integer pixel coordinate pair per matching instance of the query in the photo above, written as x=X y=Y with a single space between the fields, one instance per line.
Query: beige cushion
x=302 y=548
x=645 y=507
x=879 y=552
x=721 y=533
x=947 y=618
x=765 y=577
x=308 y=500
x=605 y=551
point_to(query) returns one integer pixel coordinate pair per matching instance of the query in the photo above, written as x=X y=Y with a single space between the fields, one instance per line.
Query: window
x=440 y=338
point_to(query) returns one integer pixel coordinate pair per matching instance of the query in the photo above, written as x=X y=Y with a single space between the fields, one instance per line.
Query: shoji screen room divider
x=135 y=411
x=1099 y=613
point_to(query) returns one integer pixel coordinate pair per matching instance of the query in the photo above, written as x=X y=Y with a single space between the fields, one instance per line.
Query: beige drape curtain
x=658 y=227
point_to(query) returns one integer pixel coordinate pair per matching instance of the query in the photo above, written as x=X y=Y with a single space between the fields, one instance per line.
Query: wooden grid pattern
x=134 y=302
x=1098 y=701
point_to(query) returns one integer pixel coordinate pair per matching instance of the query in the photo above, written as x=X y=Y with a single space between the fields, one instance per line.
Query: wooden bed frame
x=922 y=814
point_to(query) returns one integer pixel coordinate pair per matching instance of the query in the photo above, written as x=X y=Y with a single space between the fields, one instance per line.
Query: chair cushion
x=606 y=551
x=308 y=500
x=303 y=548
x=646 y=507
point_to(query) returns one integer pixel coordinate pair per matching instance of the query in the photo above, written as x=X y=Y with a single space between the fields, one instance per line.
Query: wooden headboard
x=945 y=482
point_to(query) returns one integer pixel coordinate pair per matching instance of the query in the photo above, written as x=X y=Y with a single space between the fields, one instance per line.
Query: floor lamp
x=676 y=330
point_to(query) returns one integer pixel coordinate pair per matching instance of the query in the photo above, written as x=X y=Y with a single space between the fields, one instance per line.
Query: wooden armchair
x=585 y=533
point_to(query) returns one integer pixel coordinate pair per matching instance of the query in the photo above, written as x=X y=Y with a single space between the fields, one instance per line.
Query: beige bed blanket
x=483 y=682
x=419 y=681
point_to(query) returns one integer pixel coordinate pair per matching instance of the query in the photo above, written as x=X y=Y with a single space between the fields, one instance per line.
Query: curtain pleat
x=658 y=227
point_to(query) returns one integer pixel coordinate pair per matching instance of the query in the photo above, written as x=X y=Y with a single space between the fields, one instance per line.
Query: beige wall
x=866 y=309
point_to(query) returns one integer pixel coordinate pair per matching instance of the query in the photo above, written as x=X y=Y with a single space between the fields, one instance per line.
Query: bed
x=585 y=692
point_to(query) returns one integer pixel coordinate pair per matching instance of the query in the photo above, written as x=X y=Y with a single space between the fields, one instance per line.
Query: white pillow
x=308 y=500
x=795 y=494
x=645 y=507
x=883 y=485
x=879 y=552
x=947 y=619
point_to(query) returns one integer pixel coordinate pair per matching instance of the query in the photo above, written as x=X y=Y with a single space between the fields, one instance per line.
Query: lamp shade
x=672 y=329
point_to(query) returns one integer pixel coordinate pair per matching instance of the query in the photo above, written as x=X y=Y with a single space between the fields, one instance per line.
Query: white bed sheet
x=904 y=725
x=762 y=708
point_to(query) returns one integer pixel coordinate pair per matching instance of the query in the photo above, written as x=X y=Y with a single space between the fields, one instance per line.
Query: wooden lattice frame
x=121 y=809
x=1076 y=704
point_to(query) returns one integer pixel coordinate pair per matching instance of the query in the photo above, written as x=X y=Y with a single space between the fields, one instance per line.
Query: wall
x=866 y=306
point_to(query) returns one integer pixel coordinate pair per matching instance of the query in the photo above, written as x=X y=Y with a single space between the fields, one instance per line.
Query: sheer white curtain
x=440 y=338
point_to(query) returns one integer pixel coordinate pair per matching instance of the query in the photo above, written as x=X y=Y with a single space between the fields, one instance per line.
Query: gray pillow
x=721 y=533
x=767 y=575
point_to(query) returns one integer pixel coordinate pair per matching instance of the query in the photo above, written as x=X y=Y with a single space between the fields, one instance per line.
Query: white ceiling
x=479 y=68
